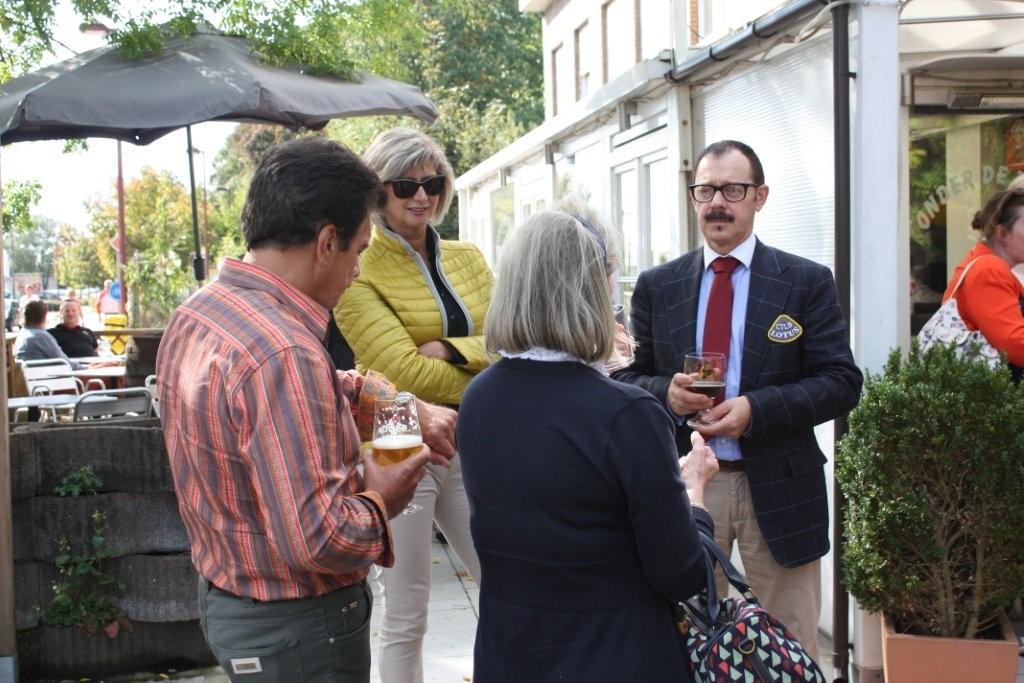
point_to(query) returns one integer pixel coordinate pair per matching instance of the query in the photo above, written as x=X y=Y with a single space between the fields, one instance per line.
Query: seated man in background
x=74 y=340
x=34 y=342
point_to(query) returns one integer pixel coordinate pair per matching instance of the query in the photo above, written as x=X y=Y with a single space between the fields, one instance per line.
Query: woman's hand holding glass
x=697 y=468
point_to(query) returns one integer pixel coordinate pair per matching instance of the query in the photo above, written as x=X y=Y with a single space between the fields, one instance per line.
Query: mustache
x=718 y=217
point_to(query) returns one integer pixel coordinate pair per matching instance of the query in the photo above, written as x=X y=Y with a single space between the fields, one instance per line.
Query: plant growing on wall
x=85 y=593
x=933 y=474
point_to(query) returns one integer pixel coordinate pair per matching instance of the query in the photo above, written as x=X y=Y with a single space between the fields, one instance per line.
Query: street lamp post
x=122 y=240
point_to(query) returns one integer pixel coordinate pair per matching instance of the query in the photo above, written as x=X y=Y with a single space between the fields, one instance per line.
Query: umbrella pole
x=198 y=258
x=122 y=238
x=8 y=652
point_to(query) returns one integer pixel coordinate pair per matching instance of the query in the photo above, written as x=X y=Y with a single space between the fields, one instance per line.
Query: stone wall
x=144 y=533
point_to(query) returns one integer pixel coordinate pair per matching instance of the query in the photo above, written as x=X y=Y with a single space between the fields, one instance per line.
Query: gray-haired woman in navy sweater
x=585 y=528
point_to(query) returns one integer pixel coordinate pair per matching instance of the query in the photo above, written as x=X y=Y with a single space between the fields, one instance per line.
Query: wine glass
x=708 y=372
x=396 y=433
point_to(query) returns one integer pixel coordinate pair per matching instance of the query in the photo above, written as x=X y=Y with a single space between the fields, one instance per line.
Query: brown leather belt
x=732 y=465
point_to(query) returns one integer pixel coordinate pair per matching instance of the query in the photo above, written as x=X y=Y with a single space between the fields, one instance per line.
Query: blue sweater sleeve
x=643 y=451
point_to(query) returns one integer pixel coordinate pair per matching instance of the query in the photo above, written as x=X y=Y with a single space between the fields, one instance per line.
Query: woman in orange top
x=990 y=298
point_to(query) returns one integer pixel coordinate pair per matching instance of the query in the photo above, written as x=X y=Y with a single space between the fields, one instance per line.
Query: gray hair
x=576 y=206
x=395 y=152
x=553 y=290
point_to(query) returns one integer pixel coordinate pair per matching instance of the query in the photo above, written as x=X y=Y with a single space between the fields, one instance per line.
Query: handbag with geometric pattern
x=735 y=639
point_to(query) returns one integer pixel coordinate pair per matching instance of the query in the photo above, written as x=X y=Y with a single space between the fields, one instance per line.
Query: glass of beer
x=396 y=433
x=708 y=372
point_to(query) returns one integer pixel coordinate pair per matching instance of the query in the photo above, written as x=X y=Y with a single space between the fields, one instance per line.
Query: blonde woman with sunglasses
x=416 y=314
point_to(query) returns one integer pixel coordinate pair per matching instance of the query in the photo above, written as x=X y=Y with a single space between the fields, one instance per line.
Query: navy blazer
x=792 y=386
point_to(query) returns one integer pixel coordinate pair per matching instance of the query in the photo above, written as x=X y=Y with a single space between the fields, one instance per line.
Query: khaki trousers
x=791 y=595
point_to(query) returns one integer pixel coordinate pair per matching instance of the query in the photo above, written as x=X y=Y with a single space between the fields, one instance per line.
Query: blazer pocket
x=802 y=462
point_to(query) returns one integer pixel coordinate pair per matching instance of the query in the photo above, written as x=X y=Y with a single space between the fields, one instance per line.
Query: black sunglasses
x=404 y=188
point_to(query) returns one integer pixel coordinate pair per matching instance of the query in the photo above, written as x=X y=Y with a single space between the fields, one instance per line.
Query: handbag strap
x=714 y=555
x=731 y=573
x=963 y=275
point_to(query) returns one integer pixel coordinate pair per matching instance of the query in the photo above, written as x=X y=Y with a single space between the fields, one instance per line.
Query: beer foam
x=394 y=442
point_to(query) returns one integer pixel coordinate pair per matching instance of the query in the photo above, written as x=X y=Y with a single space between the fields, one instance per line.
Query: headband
x=600 y=240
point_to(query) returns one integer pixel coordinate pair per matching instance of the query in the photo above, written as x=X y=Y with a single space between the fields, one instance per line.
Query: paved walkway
x=448 y=647
x=451 y=627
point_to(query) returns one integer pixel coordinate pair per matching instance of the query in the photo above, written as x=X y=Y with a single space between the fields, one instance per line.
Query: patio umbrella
x=204 y=77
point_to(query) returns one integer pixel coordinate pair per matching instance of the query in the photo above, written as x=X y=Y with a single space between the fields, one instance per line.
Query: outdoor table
x=42 y=401
x=114 y=373
x=88 y=360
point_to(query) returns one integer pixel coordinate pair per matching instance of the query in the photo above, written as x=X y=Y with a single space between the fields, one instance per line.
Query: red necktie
x=718 y=317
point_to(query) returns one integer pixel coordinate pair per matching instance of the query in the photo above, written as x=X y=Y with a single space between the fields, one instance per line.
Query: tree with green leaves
x=440 y=46
x=35 y=248
x=320 y=36
x=158 y=220
x=19 y=202
x=77 y=259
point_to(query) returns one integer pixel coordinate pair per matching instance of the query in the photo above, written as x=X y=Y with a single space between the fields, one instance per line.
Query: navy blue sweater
x=582 y=524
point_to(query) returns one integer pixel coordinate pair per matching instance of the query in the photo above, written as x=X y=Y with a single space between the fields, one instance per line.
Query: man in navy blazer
x=789 y=368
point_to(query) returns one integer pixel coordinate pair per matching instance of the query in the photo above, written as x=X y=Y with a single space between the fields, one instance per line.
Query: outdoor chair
x=52 y=376
x=155 y=400
x=113 y=403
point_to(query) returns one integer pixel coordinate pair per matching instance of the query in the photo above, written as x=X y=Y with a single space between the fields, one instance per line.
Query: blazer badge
x=784 y=330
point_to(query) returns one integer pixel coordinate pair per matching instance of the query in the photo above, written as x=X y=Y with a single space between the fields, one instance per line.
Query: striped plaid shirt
x=263 y=442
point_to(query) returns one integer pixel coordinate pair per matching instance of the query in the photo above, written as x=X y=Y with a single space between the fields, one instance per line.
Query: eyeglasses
x=732 y=192
x=404 y=188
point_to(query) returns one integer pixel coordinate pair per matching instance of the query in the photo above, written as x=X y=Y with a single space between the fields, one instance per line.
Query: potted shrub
x=933 y=473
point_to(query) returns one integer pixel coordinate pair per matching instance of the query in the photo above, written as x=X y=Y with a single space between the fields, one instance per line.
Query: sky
x=70 y=180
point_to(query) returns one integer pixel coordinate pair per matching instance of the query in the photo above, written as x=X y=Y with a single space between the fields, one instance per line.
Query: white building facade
x=937 y=126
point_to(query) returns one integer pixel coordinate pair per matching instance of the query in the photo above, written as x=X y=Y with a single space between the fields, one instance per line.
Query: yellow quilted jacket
x=391 y=309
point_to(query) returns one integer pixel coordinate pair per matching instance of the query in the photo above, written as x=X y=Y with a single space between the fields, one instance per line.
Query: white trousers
x=406 y=586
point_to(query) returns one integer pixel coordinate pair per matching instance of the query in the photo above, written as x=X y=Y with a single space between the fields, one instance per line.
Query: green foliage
x=933 y=474
x=26 y=30
x=34 y=249
x=20 y=199
x=487 y=52
x=928 y=174
x=319 y=36
x=83 y=481
x=85 y=594
x=479 y=62
x=30 y=238
x=158 y=225
x=77 y=257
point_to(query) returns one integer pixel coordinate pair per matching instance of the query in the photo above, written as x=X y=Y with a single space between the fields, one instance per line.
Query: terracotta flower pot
x=925 y=659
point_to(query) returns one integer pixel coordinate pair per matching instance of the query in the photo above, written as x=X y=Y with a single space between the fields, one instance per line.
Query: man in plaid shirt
x=262 y=432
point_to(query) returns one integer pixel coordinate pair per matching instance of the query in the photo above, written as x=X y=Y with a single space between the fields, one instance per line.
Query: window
x=655 y=28
x=644 y=217
x=503 y=217
x=956 y=164
x=656 y=186
x=717 y=18
x=554 y=80
x=628 y=214
x=562 y=88
x=584 y=59
x=618 y=37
